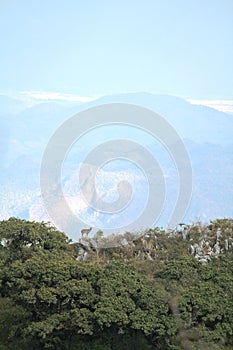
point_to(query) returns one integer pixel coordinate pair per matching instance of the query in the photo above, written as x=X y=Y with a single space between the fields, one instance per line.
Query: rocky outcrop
x=205 y=250
x=204 y=242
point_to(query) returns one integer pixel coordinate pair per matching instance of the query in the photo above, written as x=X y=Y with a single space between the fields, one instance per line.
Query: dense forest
x=160 y=290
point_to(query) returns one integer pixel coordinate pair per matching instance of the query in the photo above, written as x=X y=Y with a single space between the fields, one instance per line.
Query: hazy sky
x=91 y=48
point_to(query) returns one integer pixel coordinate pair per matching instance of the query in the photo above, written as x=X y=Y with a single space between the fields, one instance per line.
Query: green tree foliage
x=20 y=238
x=49 y=300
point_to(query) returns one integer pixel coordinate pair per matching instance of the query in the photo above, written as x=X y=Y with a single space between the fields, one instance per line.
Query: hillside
x=160 y=290
x=204 y=242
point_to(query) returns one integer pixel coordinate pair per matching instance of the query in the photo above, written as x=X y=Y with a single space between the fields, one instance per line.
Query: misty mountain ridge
x=207 y=134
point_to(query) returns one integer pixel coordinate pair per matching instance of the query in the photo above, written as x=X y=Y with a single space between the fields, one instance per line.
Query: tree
x=20 y=238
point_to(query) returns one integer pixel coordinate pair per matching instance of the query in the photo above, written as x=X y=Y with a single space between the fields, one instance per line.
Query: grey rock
x=124 y=242
x=219 y=233
x=216 y=249
x=93 y=244
x=149 y=257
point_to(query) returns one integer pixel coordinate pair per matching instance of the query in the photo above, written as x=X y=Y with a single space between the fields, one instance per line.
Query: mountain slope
x=207 y=134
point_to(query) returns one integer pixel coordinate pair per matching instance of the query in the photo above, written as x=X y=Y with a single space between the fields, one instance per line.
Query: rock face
x=203 y=242
x=213 y=243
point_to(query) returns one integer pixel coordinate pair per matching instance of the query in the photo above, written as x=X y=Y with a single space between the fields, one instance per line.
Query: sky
x=85 y=49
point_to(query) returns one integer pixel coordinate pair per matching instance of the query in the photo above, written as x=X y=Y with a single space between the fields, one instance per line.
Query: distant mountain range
x=24 y=133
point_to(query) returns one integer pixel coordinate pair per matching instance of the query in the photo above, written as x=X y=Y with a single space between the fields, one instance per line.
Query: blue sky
x=92 y=48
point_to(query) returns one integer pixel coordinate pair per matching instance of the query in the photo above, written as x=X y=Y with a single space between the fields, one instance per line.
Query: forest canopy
x=116 y=299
